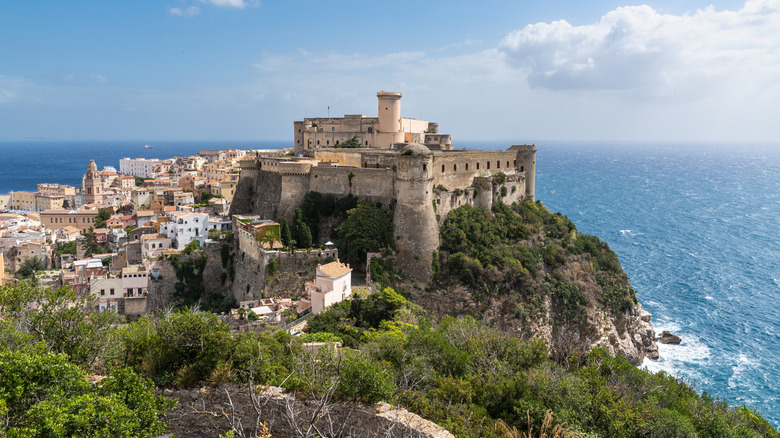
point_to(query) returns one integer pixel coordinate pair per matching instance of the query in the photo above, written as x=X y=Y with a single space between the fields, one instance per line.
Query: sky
x=524 y=71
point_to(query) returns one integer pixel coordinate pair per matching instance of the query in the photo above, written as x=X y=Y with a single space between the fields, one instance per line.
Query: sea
x=696 y=227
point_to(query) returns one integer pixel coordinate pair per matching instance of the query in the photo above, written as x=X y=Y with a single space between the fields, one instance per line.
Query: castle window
x=514 y=163
x=467 y=166
x=370 y=130
x=366 y=142
x=488 y=165
x=425 y=167
x=477 y=166
x=498 y=164
x=521 y=168
x=454 y=167
x=337 y=142
x=442 y=168
x=299 y=130
x=318 y=142
x=507 y=164
x=327 y=142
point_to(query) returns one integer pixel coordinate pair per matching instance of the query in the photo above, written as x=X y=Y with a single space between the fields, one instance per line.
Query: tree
x=65 y=248
x=65 y=204
x=287 y=239
x=368 y=228
x=301 y=232
x=352 y=143
x=90 y=244
x=101 y=218
x=59 y=319
x=205 y=196
x=269 y=237
x=30 y=267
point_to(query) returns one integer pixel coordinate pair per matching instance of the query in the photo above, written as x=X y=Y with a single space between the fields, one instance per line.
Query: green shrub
x=364 y=380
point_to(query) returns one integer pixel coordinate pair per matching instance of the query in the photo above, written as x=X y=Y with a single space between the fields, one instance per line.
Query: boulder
x=668 y=338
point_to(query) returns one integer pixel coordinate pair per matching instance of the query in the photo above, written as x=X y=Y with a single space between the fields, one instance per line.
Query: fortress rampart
x=422 y=185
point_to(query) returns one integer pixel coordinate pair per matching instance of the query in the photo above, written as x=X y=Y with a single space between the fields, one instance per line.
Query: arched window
x=442 y=168
x=455 y=167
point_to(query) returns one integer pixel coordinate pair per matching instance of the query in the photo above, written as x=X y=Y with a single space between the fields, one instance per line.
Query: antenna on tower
x=328 y=111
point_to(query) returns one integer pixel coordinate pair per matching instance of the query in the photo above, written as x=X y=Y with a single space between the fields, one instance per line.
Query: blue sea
x=696 y=227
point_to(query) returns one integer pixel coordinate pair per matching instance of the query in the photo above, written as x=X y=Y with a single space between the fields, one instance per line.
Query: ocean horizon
x=694 y=224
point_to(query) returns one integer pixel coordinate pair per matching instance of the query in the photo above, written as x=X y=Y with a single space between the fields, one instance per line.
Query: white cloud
x=635 y=48
x=188 y=12
x=240 y=4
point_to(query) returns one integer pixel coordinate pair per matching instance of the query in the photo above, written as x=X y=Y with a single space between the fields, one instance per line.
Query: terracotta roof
x=333 y=270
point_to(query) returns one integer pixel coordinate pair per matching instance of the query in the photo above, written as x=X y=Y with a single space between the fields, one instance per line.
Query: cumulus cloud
x=637 y=48
x=186 y=12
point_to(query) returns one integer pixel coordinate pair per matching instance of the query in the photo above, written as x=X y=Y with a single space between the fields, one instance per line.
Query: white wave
x=738 y=371
x=709 y=298
x=677 y=359
x=626 y=232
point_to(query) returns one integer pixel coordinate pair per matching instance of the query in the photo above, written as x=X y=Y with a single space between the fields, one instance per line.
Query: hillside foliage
x=470 y=378
x=529 y=253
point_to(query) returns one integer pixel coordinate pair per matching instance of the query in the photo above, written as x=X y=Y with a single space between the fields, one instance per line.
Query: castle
x=402 y=162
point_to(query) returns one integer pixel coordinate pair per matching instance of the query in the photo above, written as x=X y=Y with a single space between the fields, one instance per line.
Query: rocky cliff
x=529 y=272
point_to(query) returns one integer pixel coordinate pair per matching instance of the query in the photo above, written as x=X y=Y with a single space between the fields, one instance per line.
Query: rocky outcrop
x=668 y=338
x=209 y=412
x=629 y=333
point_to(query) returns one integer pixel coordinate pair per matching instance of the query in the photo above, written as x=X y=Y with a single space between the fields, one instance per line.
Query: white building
x=142 y=167
x=153 y=245
x=333 y=284
x=135 y=282
x=185 y=227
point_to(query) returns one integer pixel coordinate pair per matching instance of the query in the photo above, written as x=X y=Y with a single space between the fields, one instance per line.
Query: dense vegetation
x=50 y=340
x=468 y=377
x=357 y=228
x=526 y=252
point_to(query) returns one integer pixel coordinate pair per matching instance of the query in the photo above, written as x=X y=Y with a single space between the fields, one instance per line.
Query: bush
x=364 y=380
x=181 y=348
x=47 y=396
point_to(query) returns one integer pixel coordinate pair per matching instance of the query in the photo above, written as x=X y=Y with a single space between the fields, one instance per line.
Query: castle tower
x=526 y=162
x=416 y=233
x=93 y=187
x=389 y=119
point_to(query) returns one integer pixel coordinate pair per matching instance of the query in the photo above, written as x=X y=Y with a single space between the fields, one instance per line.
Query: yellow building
x=54 y=219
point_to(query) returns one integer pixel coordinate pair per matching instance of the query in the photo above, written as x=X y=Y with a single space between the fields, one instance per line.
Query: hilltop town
x=123 y=233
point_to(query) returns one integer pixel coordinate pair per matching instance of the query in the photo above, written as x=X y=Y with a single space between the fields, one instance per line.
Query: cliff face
x=529 y=272
x=630 y=334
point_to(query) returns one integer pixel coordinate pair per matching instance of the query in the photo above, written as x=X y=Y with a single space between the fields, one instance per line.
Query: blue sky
x=506 y=70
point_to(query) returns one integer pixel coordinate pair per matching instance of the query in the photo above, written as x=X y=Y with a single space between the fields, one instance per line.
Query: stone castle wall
x=374 y=184
x=408 y=178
